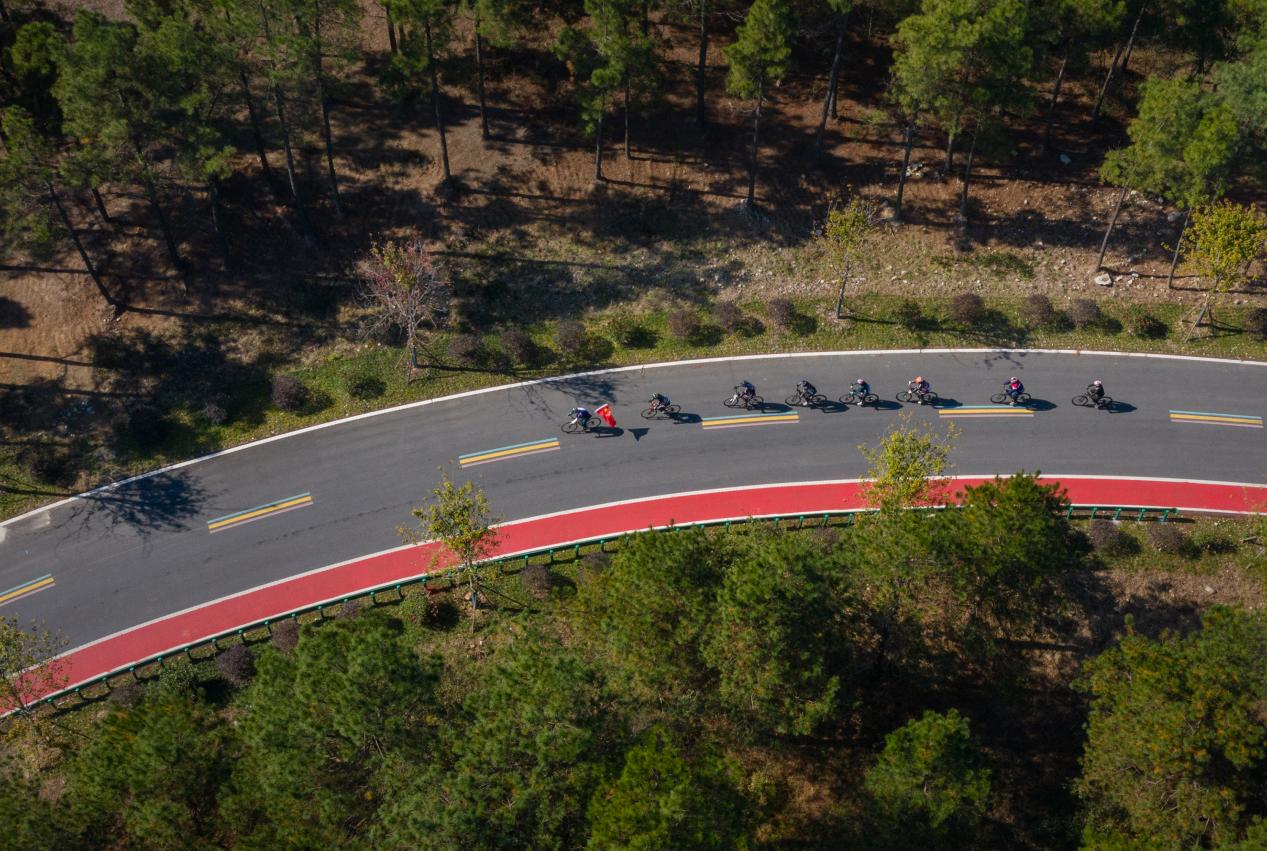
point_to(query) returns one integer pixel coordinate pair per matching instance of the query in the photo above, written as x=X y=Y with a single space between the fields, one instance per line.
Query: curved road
x=146 y=548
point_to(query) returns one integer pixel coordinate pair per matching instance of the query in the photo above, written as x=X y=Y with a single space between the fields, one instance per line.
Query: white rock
x=1064 y=159
x=1104 y=279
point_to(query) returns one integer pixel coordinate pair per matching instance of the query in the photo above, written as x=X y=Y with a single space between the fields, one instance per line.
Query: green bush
x=1108 y=539
x=1208 y=539
x=782 y=312
x=729 y=316
x=289 y=393
x=1084 y=312
x=237 y=665
x=468 y=349
x=571 y=338
x=1037 y=311
x=684 y=324
x=910 y=315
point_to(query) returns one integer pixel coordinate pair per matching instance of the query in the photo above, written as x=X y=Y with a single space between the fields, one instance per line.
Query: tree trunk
x=115 y=303
x=391 y=31
x=1130 y=42
x=296 y=199
x=950 y=143
x=752 y=163
x=830 y=97
x=598 y=147
x=967 y=177
x=255 y=131
x=479 y=79
x=701 y=114
x=1104 y=245
x=646 y=17
x=217 y=220
x=325 y=131
x=840 y=299
x=906 y=162
x=101 y=206
x=627 y=154
x=1108 y=77
x=435 y=99
x=1174 y=261
x=167 y=237
x=1051 y=109
x=4 y=12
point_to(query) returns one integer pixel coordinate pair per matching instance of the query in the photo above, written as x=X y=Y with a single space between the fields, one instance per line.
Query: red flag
x=605 y=411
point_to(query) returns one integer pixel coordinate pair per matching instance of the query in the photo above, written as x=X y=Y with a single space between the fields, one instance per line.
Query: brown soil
x=527 y=213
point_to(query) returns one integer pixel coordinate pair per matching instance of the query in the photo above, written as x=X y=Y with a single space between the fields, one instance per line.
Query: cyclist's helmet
x=859 y=381
x=1013 y=380
x=1097 y=383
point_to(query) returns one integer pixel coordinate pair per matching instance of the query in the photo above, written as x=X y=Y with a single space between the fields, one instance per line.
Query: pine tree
x=758 y=58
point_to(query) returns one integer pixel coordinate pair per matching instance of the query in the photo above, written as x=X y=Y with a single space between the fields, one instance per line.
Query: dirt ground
x=528 y=214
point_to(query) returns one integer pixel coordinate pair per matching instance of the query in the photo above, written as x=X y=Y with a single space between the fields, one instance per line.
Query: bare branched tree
x=404 y=289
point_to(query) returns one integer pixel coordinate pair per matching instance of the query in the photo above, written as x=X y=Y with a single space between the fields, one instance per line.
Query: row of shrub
x=1110 y=539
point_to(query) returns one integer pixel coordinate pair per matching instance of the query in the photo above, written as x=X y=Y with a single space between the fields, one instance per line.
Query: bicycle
x=800 y=399
x=1003 y=398
x=745 y=402
x=661 y=412
x=910 y=395
x=1104 y=403
x=852 y=398
x=580 y=426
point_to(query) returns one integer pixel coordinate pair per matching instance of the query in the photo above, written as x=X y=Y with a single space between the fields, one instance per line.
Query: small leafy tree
x=460 y=517
x=759 y=56
x=1183 y=143
x=404 y=289
x=931 y=775
x=664 y=799
x=906 y=468
x=1222 y=241
x=844 y=235
x=28 y=671
x=1177 y=738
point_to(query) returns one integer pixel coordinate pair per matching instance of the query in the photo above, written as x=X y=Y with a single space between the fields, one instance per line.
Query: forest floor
x=529 y=239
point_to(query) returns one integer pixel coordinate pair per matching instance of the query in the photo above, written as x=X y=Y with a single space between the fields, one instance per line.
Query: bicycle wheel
x=819 y=399
x=794 y=400
x=1081 y=401
x=1023 y=399
x=570 y=427
x=998 y=398
x=755 y=402
x=1106 y=403
x=732 y=402
x=930 y=398
x=849 y=399
x=871 y=399
x=907 y=396
x=672 y=410
x=649 y=414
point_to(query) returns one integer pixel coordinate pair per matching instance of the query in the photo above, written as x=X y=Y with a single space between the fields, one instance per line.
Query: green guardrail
x=816 y=520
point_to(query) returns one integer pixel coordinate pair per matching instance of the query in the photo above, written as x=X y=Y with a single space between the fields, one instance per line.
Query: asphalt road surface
x=143 y=550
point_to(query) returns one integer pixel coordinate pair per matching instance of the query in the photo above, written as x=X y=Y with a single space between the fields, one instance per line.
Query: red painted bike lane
x=382 y=570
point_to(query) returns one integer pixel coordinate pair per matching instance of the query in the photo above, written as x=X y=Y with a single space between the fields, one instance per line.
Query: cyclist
x=580 y=415
x=1013 y=389
x=861 y=389
x=921 y=387
x=1095 y=391
x=745 y=390
x=806 y=390
x=659 y=402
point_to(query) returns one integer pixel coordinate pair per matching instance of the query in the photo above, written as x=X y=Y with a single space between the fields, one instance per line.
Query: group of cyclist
x=919 y=386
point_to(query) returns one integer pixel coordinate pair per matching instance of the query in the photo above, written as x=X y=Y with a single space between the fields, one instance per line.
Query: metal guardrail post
x=1165 y=515
x=1094 y=509
x=1142 y=512
x=1117 y=515
x=1069 y=513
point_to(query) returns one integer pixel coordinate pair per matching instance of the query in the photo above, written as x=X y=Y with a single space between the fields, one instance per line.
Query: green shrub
x=237 y=665
x=571 y=338
x=1208 y=539
x=782 y=312
x=729 y=316
x=910 y=315
x=285 y=634
x=519 y=347
x=468 y=349
x=1108 y=539
x=538 y=579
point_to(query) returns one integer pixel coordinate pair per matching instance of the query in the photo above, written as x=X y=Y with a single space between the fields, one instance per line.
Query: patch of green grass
x=871 y=323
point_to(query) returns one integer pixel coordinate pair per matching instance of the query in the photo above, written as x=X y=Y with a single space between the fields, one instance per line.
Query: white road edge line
x=610 y=371
x=634 y=501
